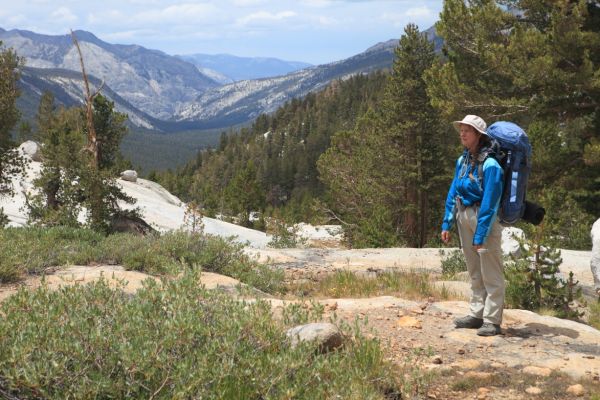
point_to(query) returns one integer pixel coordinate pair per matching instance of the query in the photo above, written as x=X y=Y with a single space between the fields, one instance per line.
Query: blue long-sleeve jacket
x=471 y=191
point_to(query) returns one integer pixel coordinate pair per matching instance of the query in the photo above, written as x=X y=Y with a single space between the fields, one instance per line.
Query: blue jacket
x=487 y=194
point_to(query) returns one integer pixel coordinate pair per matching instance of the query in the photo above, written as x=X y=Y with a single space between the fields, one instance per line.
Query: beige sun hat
x=473 y=120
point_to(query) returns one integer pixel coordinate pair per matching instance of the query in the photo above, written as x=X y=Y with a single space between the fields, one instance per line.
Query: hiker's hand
x=445 y=236
x=477 y=247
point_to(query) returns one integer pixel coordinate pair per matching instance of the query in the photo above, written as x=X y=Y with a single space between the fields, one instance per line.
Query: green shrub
x=35 y=249
x=174 y=340
x=283 y=235
x=453 y=262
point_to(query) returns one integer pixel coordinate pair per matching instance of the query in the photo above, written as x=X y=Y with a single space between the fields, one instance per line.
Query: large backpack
x=515 y=159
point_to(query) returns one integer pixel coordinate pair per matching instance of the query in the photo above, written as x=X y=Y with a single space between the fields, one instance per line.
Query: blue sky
x=315 y=31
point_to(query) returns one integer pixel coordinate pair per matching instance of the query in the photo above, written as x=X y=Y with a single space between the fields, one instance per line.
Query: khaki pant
x=484 y=266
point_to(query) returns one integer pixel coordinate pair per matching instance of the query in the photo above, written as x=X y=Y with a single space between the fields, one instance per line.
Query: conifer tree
x=534 y=279
x=101 y=193
x=538 y=66
x=243 y=193
x=384 y=175
x=60 y=135
x=68 y=182
x=414 y=141
x=11 y=163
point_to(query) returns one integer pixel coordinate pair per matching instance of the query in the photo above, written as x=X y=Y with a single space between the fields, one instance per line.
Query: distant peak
x=85 y=36
x=389 y=44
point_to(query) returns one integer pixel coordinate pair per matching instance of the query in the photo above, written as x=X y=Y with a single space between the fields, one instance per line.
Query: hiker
x=473 y=201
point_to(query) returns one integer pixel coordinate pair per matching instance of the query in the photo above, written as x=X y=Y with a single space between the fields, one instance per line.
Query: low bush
x=453 y=262
x=172 y=340
x=35 y=249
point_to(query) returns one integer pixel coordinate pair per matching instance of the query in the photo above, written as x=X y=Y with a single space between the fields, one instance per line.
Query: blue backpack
x=515 y=159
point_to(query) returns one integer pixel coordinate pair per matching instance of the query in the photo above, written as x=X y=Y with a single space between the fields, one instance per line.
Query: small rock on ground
x=576 y=390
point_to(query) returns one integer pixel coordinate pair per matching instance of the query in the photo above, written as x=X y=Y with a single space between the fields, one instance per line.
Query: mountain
x=67 y=88
x=232 y=68
x=167 y=93
x=148 y=79
x=243 y=101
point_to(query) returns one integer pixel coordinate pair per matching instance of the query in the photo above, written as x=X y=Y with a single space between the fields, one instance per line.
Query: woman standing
x=473 y=200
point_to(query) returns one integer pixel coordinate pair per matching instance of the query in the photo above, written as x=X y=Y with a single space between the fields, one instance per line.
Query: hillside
x=149 y=79
x=279 y=151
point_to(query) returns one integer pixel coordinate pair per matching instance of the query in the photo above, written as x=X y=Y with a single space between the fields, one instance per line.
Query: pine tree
x=110 y=130
x=243 y=193
x=101 y=193
x=414 y=140
x=534 y=281
x=68 y=182
x=11 y=163
x=539 y=67
x=60 y=135
x=384 y=176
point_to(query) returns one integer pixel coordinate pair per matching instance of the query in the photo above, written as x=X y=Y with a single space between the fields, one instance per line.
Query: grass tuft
x=343 y=283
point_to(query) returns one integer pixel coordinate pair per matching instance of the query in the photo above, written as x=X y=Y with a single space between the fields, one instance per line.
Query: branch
x=97 y=92
x=334 y=215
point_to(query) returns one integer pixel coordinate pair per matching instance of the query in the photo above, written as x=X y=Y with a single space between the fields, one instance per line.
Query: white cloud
x=63 y=14
x=397 y=19
x=128 y=35
x=327 y=21
x=264 y=16
x=248 y=3
x=317 y=3
x=107 y=16
x=178 y=13
x=418 y=12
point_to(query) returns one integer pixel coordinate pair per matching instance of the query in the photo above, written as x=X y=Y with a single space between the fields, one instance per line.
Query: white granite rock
x=129 y=175
x=31 y=149
x=510 y=245
x=325 y=335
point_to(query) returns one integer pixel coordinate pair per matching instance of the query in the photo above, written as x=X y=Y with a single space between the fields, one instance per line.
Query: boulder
x=31 y=149
x=595 y=262
x=326 y=336
x=129 y=175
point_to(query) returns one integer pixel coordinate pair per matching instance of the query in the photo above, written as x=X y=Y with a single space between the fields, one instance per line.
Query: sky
x=313 y=31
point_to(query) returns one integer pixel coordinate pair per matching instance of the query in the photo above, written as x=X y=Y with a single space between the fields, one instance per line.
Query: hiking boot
x=489 y=329
x=468 y=322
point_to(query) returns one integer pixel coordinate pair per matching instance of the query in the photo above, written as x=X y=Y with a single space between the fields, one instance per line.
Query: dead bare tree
x=92 y=145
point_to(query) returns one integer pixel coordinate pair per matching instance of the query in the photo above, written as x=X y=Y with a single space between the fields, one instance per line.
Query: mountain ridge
x=151 y=80
x=238 y=68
